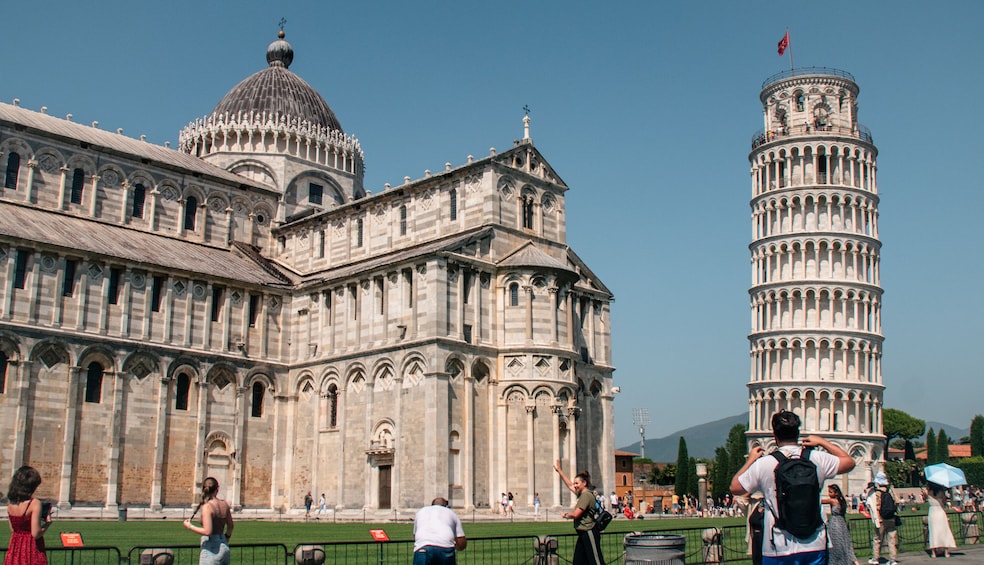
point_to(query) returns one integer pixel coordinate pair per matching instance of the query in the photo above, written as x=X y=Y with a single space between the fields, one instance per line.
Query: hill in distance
x=703 y=439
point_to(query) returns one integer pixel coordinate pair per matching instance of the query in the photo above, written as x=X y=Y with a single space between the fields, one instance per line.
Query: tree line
x=901 y=432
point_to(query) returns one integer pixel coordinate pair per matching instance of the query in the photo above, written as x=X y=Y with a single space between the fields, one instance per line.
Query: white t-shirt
x=436 y=525
x=761 y=476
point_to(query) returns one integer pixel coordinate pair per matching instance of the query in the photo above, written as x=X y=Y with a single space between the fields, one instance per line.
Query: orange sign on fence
x=71 y=539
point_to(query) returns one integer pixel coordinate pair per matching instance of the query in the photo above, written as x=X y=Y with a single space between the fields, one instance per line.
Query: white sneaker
x=873 y=562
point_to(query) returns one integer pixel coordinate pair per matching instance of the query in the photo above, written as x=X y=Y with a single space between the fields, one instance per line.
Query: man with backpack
x=790 y=479
x=881 y=506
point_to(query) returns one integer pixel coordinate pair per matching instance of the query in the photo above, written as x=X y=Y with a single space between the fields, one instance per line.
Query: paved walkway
x=965 y=554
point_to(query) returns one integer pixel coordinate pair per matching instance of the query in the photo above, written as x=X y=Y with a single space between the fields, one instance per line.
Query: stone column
x=125 y=307
x=237 y=442
x=572 y=412
x=152 y=215
x=160 y=445
x=113 y=468
x=559 y=486
x=33 y=286
x=230 y=227
x=68 y=447
x=554 y=307
x=202 y=419
x=61 y=188
x=8 y=285
x=24 y=395
x=468 y=444
x=29 y=193
x=529 y=313
x=201 y=218
x=530 y=450
x=282 y=471
x=124 y=200
x=94 y=199
x=342 y=435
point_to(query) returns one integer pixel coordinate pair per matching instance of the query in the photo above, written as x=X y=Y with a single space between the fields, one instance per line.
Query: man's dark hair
x=785 y=426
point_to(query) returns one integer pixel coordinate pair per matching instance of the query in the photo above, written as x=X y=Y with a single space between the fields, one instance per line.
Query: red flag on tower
x=783 y=43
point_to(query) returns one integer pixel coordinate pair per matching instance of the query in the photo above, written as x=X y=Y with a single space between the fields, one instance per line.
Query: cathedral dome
x=277 y=91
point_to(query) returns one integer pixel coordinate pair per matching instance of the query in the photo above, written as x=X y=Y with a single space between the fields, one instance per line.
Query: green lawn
x=124 y=535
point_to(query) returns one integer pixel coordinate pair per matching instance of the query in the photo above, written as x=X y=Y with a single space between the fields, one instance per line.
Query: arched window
x=403 y=220
x=3 y=372
x=181 y=392
x=453 y=194
x=800 y=101
x=332 y=397
x=514 y=294
x=191 y=213
x=93 y=383
x=78 y=183
x=139 y=196
x=257 y=401
x=13 y=167
x=528 y=212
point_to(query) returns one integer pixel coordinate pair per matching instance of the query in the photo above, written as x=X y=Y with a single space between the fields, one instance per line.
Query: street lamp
x=640 y=417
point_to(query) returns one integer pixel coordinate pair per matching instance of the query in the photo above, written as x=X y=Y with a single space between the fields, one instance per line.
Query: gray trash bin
x=654 y=549
x=156 y=556
x=309 y=555
x=122 y=514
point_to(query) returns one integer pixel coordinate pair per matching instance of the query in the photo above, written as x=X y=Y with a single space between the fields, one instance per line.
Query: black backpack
x=602 y=517
x=887 y=507
x=797 y=494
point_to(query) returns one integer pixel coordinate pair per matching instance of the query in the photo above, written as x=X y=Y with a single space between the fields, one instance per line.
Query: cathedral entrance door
x=385 y=486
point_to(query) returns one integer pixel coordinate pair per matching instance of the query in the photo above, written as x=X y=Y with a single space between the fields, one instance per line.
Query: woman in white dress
x=940 y=535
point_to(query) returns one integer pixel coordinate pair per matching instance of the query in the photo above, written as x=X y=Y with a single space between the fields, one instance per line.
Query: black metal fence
x=702 y=546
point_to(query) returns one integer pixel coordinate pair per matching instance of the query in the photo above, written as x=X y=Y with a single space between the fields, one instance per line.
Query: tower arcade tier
x=816 y=296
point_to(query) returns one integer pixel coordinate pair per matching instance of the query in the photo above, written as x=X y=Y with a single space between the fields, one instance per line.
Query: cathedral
x=241 y=306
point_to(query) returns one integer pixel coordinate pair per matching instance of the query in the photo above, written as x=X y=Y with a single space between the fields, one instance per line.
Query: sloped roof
x=128 y=147
x=149 y=250
x=369 y=265
x=529 y=255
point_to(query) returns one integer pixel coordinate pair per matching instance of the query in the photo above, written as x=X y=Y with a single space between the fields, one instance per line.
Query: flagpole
x=789 y=45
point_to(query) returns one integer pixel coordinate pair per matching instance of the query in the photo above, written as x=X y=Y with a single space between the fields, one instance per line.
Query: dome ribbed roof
x=276 y=90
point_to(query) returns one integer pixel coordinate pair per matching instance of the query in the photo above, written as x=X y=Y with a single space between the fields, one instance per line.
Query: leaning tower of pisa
x=816 y=296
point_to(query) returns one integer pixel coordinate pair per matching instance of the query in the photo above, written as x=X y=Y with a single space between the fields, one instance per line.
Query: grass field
x=259 y=542
x=124 y=535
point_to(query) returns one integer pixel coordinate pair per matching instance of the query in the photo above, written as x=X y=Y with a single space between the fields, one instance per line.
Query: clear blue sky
x=646 y=109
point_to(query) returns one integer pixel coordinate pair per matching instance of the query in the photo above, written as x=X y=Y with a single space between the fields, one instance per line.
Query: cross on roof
x=282 y=22
x=526 y=108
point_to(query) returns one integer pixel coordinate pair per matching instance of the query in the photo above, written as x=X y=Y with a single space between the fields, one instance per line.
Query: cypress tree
x=930 y=447
x=942 y=447
x=977 y=436
x=683 y=469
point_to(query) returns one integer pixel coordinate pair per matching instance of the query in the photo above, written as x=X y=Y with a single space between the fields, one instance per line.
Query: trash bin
x=713 y=549
x=654 y=549
x=309 y=555
x=545 y=548
x=156 y=556
x=122 y=514
x=971 y=532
